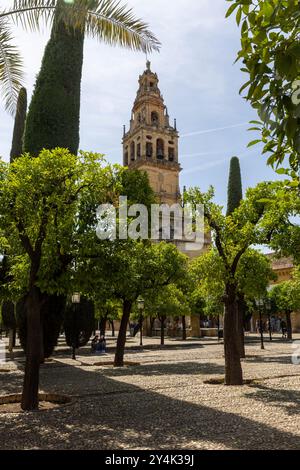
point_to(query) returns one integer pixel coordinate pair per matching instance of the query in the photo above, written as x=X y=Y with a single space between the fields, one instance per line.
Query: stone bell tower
x=151 y=144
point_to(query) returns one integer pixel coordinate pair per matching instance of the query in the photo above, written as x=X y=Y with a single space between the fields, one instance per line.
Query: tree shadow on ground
x=10 y=382
x=128 y=416
x=288 y=400
x=182 y=368
x=269 y=359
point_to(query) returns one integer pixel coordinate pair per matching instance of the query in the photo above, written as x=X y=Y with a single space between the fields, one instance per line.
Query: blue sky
x=198 y=79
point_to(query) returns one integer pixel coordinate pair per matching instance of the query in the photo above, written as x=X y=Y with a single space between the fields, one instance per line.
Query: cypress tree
x=20 y=118
x=53 y=121
x=54 y=112
x=79 y=323
x=235 y=192
x=234 y=197
x=51 y=320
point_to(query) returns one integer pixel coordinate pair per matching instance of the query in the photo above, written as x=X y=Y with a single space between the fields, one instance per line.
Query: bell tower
x=151 y=144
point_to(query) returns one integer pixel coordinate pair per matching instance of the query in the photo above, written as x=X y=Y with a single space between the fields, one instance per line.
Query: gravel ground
x=164 y=403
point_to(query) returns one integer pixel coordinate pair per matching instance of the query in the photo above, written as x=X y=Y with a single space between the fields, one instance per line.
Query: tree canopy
x=270 y=55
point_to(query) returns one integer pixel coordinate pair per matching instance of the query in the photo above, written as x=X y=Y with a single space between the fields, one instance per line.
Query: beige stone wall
x=295 y=317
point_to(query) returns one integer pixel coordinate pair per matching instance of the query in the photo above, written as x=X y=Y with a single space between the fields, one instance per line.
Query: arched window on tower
x=160 y=149
x=154 y=118
x=126 y=158
x=138 y=151
x=171 y=154
x=132 y=151
x=149 y=149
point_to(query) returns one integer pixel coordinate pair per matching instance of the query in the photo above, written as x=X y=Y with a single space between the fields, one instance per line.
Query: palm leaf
x=106 y=20
x=113 y=24
x=10 y=68
x=31 y=13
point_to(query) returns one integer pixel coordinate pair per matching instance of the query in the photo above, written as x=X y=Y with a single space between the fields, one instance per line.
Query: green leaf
x=282 y=171
x=231 y=9
x=239 y=16
x=253 y=142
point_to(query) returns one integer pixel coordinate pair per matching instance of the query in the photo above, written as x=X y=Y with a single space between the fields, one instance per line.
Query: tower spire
x=151 y=143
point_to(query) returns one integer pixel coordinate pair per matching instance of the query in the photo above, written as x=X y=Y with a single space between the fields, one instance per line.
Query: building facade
x=283 y=268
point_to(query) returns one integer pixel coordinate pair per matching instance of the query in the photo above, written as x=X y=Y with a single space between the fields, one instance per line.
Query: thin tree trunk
x=11 y=340
x=183 y=328
x=14 y=337
x=233 y=368
x=73 y=353
x=162 y=330
x=141 y=321
x=152 y=320
x=289 y=326
x=112 y=328
x=103 y=325
x=34 y=351
x=119 y=355
x=240 y=325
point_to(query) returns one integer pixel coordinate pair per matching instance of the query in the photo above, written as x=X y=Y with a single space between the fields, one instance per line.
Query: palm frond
x=107 y=20
x=30 y=14
x=116 y=24
x=10 y=68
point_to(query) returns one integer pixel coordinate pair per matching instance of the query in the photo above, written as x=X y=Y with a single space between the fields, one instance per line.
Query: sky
x=198 y=79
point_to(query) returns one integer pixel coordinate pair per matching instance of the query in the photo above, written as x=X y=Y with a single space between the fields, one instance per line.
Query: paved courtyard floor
x=162 y=403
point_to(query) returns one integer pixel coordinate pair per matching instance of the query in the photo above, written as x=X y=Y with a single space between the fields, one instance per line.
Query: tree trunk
x=119 y=355
x=14 y=337
x=11 y=340
x=233 y=369
x=183 y=328
x=73 y=353
x=241 y=306
x=103 y=325
x=289 y=326
x=141 y=321
x=162 y=330
x=34 y=351
x=112 y=328
x=152 y=320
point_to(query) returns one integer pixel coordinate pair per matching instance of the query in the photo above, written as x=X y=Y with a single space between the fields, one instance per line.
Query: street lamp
x=260 y=305
x=141 y=306
x=268 y=309
x=75 y=302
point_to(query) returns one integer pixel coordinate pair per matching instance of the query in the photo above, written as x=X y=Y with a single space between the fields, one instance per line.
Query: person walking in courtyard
x=283 y=329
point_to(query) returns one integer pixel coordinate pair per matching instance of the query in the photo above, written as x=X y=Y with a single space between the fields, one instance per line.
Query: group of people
x=98 y=345
x=276 y=325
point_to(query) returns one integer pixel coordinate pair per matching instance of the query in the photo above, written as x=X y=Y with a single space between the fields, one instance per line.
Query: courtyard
x=170 y=397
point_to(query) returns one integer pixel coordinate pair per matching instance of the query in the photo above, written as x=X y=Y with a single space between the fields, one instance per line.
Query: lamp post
x=268 y=309
x=141 y=306
x=75 y=302
x=260 y=305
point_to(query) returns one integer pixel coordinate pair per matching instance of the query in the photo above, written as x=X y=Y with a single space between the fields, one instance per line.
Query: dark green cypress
x=52 y=319
x=54 y=112
x=235 y=191
x=79 y=322
x=234 y=197
x=20 y=118
x=8 y=315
